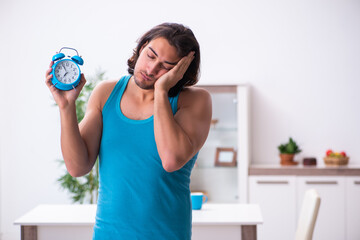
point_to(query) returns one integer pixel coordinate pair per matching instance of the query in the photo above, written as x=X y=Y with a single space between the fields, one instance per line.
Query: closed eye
x=150 y=56
x=168 y=69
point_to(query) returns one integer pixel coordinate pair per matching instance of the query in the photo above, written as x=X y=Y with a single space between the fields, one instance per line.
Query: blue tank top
x=138 y=199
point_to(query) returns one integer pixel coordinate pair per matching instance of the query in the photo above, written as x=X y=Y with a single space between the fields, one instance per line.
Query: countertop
x=301 y=170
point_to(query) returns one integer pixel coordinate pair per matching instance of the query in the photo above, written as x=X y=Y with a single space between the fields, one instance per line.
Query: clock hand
x=66 y=72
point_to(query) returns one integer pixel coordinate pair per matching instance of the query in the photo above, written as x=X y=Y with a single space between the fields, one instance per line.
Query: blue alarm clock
x=66 y=71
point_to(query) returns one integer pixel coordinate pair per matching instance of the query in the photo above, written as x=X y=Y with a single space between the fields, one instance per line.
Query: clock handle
x=70 y=49
x=76 y=58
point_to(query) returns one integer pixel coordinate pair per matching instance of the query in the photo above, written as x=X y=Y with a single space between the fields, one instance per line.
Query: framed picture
x=225 y=157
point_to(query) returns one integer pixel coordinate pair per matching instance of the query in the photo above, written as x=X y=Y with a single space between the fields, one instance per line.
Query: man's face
x=156 y=58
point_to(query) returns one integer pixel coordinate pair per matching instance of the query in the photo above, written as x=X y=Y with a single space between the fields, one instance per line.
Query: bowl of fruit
x=336 y=158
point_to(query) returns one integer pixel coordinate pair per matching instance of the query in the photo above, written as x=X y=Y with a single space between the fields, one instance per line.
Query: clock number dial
x=66 y=72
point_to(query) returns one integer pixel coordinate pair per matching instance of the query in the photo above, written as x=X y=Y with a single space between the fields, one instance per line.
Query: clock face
x=66 y=71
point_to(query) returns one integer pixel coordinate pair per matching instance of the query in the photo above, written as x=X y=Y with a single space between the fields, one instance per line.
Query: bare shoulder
x=102 y=91
x=194 y=96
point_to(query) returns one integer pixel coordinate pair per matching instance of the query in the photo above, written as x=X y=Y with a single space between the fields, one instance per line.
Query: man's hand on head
x=169 y=79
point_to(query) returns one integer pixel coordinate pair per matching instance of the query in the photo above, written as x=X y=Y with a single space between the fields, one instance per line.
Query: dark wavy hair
x=183 y=39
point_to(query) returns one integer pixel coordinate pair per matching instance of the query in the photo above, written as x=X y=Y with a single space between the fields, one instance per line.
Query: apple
x=329 y=152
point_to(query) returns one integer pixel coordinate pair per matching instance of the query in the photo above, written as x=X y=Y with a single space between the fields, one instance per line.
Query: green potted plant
x=288 y=151
x=85 y=188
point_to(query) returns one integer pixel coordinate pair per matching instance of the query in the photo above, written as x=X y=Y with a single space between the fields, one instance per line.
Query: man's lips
x=146 y=77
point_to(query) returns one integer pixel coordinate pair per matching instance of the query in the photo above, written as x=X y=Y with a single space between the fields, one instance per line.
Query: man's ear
x=143 y=46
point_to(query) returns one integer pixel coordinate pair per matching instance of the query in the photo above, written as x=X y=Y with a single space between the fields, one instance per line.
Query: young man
x=147 y=129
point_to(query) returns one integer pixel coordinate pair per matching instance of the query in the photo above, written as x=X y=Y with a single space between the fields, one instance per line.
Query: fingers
x=185 y=62
x=48 y=80
x=48 y=75
x=189 y=59
x=81 y=83
x=48 y=72
x=191 y=54
x=49 y=69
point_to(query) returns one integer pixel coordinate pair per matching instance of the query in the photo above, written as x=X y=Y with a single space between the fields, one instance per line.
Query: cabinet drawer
x=352 y=208
x=276 y=196
x=330 y=223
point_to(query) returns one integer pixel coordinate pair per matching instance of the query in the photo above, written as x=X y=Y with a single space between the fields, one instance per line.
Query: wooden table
x=214 y=221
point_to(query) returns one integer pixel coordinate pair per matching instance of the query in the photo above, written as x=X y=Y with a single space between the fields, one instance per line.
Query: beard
x=143 y=83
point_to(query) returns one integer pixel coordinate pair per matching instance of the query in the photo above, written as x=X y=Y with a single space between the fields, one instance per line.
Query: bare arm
x=79 y=142
x=180 y=137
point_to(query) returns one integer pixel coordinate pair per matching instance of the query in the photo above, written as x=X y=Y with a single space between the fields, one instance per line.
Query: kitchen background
x=300 y=59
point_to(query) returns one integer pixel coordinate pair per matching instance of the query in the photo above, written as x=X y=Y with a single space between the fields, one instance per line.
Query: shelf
x=223 y=129
x=201 y=168
x=219 y=88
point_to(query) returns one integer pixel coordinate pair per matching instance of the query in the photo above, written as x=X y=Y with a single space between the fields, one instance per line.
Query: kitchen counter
x=301 y=170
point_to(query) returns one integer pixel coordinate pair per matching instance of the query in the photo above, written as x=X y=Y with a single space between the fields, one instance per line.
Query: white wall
x=301 y=59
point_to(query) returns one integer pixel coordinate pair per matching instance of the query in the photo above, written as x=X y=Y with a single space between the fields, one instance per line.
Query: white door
x=330 y=223
x=277 y=199
x=352 y=208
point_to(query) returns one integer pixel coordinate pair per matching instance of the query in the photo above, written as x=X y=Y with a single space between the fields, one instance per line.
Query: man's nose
x=152 y=69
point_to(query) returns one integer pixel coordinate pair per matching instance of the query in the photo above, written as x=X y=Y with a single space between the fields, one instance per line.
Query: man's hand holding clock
x=63 y=98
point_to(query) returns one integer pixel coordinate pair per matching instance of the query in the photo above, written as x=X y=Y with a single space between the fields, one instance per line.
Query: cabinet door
x=277 y=199
x=352 y=208
x=330 y=223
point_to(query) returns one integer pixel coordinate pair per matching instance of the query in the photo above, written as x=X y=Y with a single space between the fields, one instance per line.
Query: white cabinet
x=352 y=200
x=276 y=196
x=280 y=198
x=330 y=223
x=231 y=111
